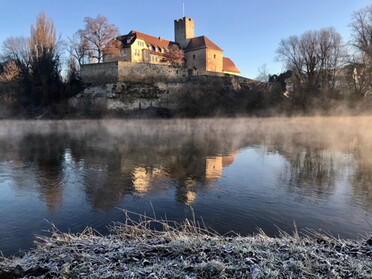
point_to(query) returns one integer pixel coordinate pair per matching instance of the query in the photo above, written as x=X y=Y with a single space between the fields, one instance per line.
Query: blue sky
x=248 y=31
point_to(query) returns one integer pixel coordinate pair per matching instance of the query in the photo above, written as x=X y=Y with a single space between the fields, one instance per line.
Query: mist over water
x=238 y=174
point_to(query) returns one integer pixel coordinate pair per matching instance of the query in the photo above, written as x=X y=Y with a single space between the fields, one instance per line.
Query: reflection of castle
x=144 y=180
x=107 y=176
x=215 y=165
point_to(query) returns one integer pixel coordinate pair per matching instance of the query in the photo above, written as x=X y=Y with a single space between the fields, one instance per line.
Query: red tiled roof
x=156 y=53
x=201 y=42
x=229 y=66
x=155 y=41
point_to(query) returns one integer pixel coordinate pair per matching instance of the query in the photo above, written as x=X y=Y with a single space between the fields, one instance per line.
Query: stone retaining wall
x=99 y=73
x=127 y=71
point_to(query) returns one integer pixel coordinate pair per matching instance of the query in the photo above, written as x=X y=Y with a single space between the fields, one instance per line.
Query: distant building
x=201 y=54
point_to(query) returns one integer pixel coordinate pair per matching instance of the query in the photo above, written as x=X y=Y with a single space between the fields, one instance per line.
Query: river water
x=236 y=174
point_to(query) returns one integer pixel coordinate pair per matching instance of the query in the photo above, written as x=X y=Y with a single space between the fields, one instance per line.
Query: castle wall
x=205 y=60
x=196 y=59
x=127 y=71
x=214 y=60
x=150 y=72
x=100 y=72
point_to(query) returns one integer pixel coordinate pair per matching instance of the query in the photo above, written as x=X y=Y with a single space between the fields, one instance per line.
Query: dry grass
x=188 y=250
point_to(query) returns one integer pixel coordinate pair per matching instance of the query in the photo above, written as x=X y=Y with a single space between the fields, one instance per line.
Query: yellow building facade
x=138 y=47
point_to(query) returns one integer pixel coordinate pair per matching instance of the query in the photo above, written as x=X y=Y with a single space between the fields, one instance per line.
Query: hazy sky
x=247 y=30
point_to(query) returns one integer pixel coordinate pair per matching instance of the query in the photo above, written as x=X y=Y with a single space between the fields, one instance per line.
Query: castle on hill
x=201 y=54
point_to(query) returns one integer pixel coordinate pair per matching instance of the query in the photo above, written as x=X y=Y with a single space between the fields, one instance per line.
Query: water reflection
x=107 y=164
x=109 y=167
x=138 y=159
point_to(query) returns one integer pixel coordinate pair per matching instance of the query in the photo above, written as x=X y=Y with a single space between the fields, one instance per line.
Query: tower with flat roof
x=184 y=31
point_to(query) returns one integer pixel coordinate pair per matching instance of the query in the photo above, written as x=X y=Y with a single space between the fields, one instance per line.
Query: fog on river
x=237 y=174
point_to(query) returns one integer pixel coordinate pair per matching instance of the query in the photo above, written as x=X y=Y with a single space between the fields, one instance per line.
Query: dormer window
x=156 y=49
x=150 y=47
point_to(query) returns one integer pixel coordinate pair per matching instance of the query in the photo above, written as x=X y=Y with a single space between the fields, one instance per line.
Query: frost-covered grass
x=136 y=250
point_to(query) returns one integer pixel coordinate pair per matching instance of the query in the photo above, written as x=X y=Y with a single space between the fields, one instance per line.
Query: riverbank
x=134 y=250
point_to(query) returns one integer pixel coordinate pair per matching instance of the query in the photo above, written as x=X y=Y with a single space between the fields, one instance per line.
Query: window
x=137 y=52
x=193 y=56
x=123 y=52
x=215 y=56
x=140 y=43
x=150 y=47
x=156 y=49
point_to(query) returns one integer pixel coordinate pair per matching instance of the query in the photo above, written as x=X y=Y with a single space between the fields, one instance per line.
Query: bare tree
x=72 y=70
x=314 y=58
x=175 y=55
x=360 y=72
x=17 y=49
x=78 y=48
x=263 y=74
x=332 y=57
x=100 y=38
x=362 y=30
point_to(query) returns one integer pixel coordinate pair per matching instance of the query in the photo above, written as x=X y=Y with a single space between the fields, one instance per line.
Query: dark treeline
x=31 y=67
x=32 y=82
x=323 y=73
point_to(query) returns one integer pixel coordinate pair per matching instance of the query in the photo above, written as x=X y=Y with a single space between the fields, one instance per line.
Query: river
x=236 y=175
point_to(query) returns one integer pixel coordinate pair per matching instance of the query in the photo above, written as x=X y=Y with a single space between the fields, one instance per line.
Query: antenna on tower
x=183 y=9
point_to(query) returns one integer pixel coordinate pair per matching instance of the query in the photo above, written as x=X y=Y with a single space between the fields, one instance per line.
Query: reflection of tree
x=317 y=161
x=362 y=179
x=46 y=155
x=104 y=184
x=313 y=169
x=362 y=185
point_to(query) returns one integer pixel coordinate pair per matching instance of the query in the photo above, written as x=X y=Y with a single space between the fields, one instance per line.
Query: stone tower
x=183 y=31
